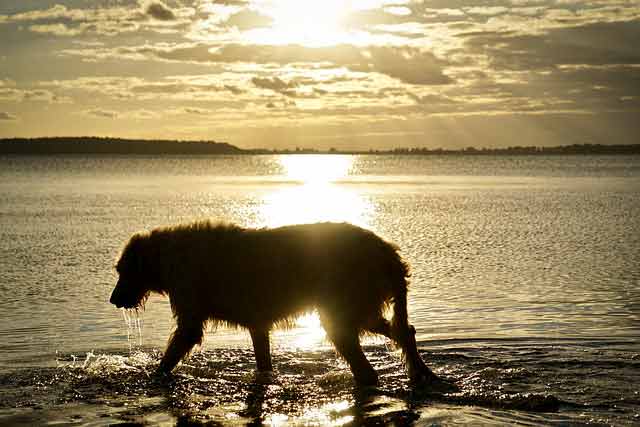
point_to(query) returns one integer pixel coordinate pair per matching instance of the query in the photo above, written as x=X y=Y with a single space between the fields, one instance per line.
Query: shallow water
x=526 y=382
x=524 y=289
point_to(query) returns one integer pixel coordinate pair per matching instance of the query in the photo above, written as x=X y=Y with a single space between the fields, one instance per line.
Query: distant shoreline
x=97 y=145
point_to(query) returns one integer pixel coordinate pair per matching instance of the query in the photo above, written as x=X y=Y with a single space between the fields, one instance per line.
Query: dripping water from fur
x=134 y=321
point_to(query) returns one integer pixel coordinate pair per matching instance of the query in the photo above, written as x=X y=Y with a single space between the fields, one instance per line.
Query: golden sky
x=347 y=74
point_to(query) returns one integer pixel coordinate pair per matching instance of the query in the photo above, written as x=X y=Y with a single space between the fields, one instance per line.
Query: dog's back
x=249 y=276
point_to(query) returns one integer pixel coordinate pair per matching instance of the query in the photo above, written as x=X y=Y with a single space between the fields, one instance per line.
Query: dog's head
x=133 y=287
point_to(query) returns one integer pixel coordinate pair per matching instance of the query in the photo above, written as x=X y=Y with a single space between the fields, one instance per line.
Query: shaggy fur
x=258 y=278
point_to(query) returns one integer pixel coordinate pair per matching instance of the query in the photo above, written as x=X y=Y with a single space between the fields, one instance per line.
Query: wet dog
x=262 y=278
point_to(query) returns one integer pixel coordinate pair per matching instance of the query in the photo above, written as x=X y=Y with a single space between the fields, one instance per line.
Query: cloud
x=364 y=19
x=398 y=10
x=14 y=94
x=227 y=2
x=431 y=100
x=142 y=114
x=174 y=88
x=57 y=29
x=197 y=111
x=275 y=84
x=37 y=95
x=594 y=44
x=10 y=94
x=4 y=116
x=280 y=105
x=443 y=12
x=486 y=10
x=167 y=88
x=234 y=89
x=98 y=112
x=181 y=88
x=59 y=20
x=55 y=12
x=247 y=19
x=159 y=11
x=407 y=64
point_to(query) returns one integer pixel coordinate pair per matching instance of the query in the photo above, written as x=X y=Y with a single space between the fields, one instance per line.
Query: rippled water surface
x=525 y=289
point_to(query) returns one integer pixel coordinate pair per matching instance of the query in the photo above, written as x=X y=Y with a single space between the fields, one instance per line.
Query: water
x=524 y=289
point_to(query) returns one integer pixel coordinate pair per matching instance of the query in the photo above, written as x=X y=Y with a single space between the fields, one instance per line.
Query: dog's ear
x=137 y=253
x=132 y=257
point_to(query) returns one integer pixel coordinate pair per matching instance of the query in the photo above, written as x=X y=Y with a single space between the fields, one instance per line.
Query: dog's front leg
x=180 y=343
x=261 y=348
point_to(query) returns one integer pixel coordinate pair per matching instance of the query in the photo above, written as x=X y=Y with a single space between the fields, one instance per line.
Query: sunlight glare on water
x=316 y=169
x=331 y=414
x=307 y=204
x=317 y=196
x=310 y=332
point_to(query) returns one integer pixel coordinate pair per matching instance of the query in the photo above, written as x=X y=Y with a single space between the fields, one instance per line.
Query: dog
x=261 y=278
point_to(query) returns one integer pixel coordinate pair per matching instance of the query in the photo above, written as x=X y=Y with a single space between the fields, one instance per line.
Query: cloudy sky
x=324 y=73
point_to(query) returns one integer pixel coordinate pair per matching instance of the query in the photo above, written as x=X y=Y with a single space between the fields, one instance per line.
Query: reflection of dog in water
x=258 y=278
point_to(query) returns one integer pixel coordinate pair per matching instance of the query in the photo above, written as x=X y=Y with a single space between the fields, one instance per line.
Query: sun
x=308 y=22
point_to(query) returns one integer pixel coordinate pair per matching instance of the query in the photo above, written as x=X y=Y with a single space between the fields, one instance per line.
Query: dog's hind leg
x=181 y=343
x=347 y=343
x=261 y=348
x=404 y=335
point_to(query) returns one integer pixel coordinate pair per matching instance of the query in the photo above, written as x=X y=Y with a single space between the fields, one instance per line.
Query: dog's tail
x=400 y=320
x=400 y=273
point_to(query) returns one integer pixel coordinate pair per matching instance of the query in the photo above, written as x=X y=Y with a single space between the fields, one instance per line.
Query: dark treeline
x=516 y=150
x=519 y=150
x=96 y=145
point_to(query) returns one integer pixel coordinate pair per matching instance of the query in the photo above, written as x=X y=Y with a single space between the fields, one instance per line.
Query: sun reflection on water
x=309 y=333
x=316 y=169
x=304 y=205
x=330 y=414
x=318 y=195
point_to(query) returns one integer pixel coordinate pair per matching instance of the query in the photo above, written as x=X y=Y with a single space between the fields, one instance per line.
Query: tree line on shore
x=98 y=145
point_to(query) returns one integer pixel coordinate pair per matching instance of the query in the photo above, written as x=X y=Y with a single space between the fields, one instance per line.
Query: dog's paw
x=264 y=377
x=428 y=381
x=444 y=386
x=366 y=379
x=162 y=376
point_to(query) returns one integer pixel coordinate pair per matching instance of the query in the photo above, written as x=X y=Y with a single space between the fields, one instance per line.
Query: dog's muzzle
x=118 y=299
x=115 y=300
